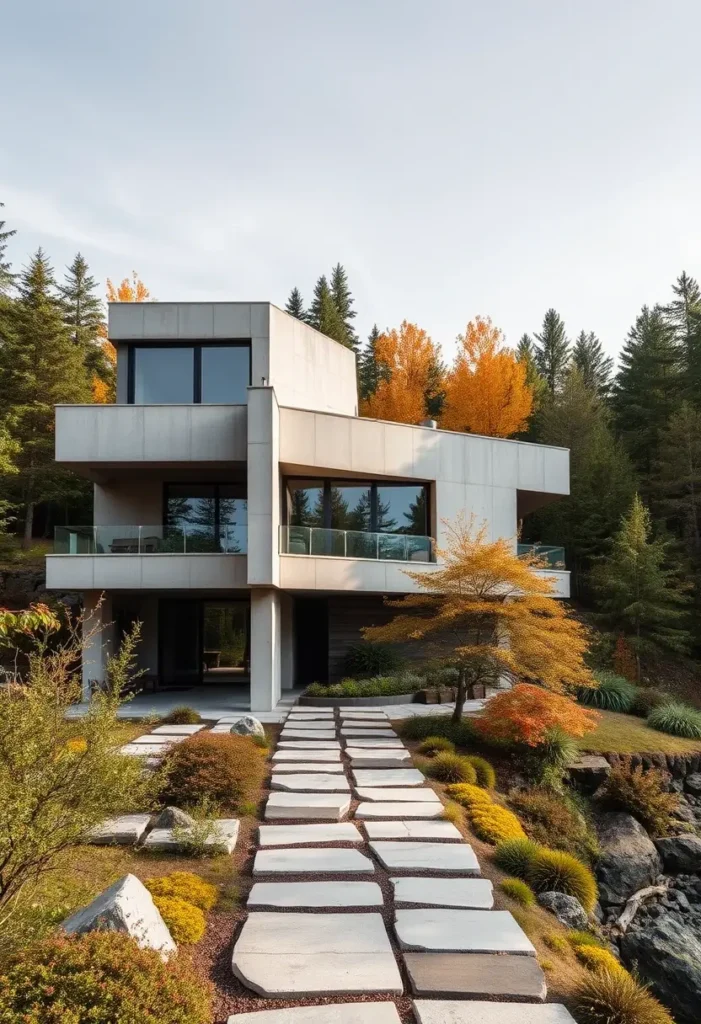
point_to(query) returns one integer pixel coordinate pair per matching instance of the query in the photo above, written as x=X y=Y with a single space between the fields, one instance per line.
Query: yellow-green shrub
x=451 y=812
x=579 y=938
x=435 y=744
x=518 y=890
x=558 y=943
x=494 y=824
x=614 y=997
x=486 y=776
x=450 y=767
x=556 y=871
x=185 y=886
x=469 y=795
x=185 y=922
x=597 y=960
x=515 y=856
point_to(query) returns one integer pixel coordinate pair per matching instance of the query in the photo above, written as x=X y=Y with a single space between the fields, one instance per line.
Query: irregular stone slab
x=339 y=1013
x=589 y=771
x=126 y=906
x=461 y=931
x=399 y=810
x=176 y=730
x=476 y=976
x=334 y=767
x=227 y=832
x=388 y=777
x=409 y=856
x=418 y=796
x=126 y=830
x=475 y=893
x=377 y=743
x=307 y=755
x=309 y=745
x=363 y=713
x=285 y=955
x=302 y=723
x=290 y=806
x=291 y=835
x=364 y=722
x=151 y=740
x=315 y=894
x=350 y=731
x=154 y=750
x=310 y=783
x=378 y=758
x=413 y=830
x=323 y=861
x=441 y=1011
x=295 y=733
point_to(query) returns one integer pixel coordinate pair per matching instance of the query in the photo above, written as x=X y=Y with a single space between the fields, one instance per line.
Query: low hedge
x=379 y=686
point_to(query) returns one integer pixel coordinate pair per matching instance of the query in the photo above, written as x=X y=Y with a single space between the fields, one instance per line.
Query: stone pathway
x=436 y=936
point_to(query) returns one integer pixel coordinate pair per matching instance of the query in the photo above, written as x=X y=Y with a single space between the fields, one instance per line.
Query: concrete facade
x=300 y=419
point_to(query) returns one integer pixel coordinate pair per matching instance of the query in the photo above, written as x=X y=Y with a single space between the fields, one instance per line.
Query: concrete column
x=263 y=487
x=97 y=634
x=287 y=642
x=265 y=649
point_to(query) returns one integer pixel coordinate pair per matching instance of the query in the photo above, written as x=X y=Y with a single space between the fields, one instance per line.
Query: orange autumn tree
x=127 y=290
x=407 y=359
x=528 y=713
x=486 y=391
x=484 y=608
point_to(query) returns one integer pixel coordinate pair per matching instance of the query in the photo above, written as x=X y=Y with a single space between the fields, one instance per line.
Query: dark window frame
x=328 y=482
x=196 y=347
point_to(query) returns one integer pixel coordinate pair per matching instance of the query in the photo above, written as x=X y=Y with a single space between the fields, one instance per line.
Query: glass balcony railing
x=313 y=540
x=150 y=540
x=554 y=556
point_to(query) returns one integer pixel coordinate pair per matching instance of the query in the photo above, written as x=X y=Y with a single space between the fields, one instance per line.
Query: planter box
x=428 y=696
x=356 y=702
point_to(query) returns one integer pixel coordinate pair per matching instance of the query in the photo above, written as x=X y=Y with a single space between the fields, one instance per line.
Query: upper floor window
x=367 y=507
x=200 y=373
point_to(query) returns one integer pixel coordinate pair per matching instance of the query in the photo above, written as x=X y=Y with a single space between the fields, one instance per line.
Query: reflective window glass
x=351 y=507
x=164 y=375
x=233 y=519
x=225 y=374
x=402 y=509
x=305 y=503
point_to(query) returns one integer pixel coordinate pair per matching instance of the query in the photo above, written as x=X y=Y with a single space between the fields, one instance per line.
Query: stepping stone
x=309 y=745
x=289 y=835
x=289 y=955
x=426 y=795
x=476 y=976
x=153 y=750
x=176 y=730
x=217 y=729
x=397 y=777
x=302 y=723
x=442 y=1011
x=333 y=767
x=291 y=806
x=339 y=1013
x=399 y=810
x=311 y=783
x=162 y=741
x=461 y=931
x=163 y=839
x=125 y=830
x=474 y=893
x=378 y=758
x=351 y=731
x=324 y=861
x=365 y=723
x=307 y=755
x=307 y=734
x=408 y=856
x=377 y=743
x=315 y=894
x=363 y=713
x=311 y=712
x=412 y=830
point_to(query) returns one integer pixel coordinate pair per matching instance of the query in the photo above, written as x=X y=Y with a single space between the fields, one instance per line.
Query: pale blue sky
x=459 y=157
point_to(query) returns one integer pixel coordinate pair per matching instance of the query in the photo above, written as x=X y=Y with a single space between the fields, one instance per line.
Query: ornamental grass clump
x=450 y=767
x=435 y=745
x=614 y=693
x=647 y=698
x=101 y=977
x=642 y=794
x=677 y=719
x=515 y=856
x=614 y=997
x=556 y=871
x=486 y=776
x=518 y=890
x=222 y=768
x=494 y=824
x=182 y=715
x=185 y=922
x=598 y=959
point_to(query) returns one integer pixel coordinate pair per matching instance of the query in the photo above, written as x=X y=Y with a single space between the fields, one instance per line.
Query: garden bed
x=352 y=702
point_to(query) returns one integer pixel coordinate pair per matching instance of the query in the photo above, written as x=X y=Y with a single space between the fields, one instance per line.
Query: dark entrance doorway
x=311 y=625
x=203 y=642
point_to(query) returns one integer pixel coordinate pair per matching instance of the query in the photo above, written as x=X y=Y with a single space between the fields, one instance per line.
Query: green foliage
x=323 y=313
x=558 y=943
x=295 y=305
x=461 y=733
x=379 y=686
x=579 y=938
x=547 y=764
x=642 y=794
x=518 y=890
x=552 y=351
x=260 y=741
x=343 y=301
x=6 y=276
x=370 y=372
x=614 y=693
x=56 y=786
x=182 y=715
x=515 y=856
x=84 y=316
x=614 y=997
x=486 y=776
x=221 y=767
x=435 y=744
x=677 y=719
x=366 y=659
x=101 y=977
x=556 y=871
x=185 y=922
x=185 y=886
x=448 y=766
x=593 y=364
x=646 y=699
x=452 y=813
x=677 y=472
x=553 y=820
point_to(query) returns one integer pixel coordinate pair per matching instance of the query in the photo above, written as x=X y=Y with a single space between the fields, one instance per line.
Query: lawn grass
x=627 y=734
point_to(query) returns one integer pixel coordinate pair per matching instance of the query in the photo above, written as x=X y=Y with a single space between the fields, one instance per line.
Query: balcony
x=318 y=542
x=150 y=540
x=554 y=557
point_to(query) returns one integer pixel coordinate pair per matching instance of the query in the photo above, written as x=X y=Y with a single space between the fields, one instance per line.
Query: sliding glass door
x=203 y=642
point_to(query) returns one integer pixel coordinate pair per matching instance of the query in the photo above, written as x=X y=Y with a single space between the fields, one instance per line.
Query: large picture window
x=213 y=517
x=365 y=507
x=200 y=373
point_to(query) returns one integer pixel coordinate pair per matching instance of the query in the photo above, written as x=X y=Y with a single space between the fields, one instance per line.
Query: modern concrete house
x=246 y=514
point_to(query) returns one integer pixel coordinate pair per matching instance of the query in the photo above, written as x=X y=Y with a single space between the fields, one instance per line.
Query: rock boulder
x=126 y=906
x=665 y=947
x=172 y=816
x=628 y=860
x=568 y=910
x=247 y=725
x=589 y=771
x=681 y=855
x=692 y=783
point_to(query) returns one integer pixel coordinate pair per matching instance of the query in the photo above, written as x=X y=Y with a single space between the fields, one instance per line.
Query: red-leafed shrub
x=527 y=713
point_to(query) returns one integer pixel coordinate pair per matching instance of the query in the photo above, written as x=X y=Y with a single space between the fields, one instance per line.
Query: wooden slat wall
x=347 y=615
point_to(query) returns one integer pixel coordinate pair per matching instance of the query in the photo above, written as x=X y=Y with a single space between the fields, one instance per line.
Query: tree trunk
x=28 y=526
x=460 y=698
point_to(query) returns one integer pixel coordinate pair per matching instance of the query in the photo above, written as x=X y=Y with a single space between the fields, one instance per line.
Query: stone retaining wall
x=678 y=765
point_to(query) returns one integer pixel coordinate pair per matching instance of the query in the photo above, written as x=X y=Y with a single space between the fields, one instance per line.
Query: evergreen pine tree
x=683 y=316
x=6 y=276
x=83 y=315
x=525 y=353
x=596 y=367
x=552 y=351
x=369 y=371
x=435 y=389
x=323 y=314
x=343 y=301
x=647 y=388
x=678 y=478
x=295 y=305
x=640 y=591
x=40 y=367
